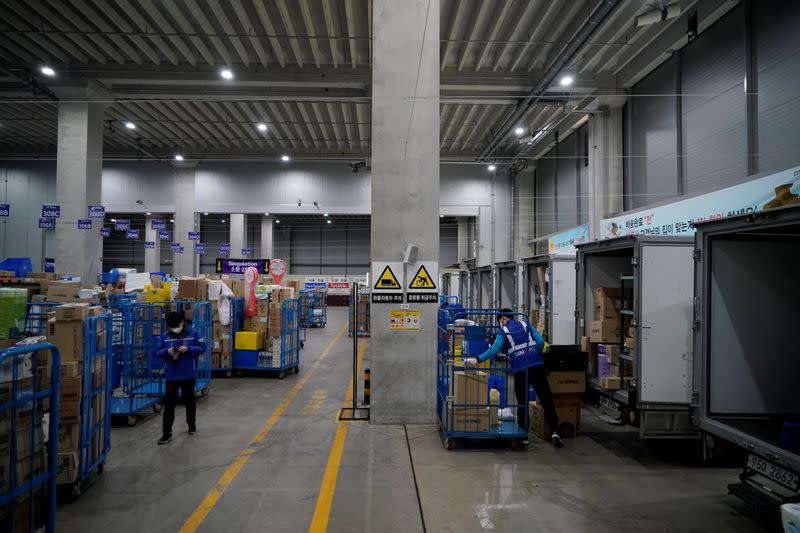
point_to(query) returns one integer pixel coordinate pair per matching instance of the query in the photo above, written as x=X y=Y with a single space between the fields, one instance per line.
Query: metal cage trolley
x=318 y=311
x=29 y=464
x=475 y=402
x=222 y=362
x=283 y=355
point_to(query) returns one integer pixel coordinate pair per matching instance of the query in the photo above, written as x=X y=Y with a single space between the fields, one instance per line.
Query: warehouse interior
x=342 y=202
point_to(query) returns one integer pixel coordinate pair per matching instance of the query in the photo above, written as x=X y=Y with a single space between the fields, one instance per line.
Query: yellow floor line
x=225 y=480
x=322 y=511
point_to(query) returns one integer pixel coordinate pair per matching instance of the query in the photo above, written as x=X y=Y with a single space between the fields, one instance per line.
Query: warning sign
x=404 y=320
x=422 y=279
x=387 y=280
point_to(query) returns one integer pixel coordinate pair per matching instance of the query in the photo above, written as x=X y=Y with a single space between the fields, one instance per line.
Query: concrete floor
x=603 y=480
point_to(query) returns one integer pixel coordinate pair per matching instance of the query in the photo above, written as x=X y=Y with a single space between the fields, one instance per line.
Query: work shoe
x=525 y=442
x=556 y=439
x=192 y=430
x=165 y=438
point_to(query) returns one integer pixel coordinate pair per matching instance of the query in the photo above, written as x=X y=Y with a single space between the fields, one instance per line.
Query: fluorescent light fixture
x=130 y=125
x=326 y=214
x=178 y=157
x=284 y=158
x=261 y=126
x=47 y=71
x=492 y=168
x=223 y=220
x=206 y=214
x=226 y=73
x=441 y=216
x=519 y=130
x=266 y=214
x=148 y=213
x=172 y=220
x=277 y=221
x=566 y=80
x=329 y=222
x=113 y=220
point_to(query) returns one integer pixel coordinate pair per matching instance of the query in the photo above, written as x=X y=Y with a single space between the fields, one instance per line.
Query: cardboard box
x=257 y=323
x=249 y=340
x=629 y=343
x=70 y=412
x=72 y=311
x=585 y=348
x=565 y=400
x=216 y=330
x=43 y=275
x=67 y=470
x=566 y=415
x=472 y=419
x=610 y=382
x=605 y=331
x=64 y=288
x=215 y=360
x=8 y=274
x=226 y=345
x=193 y=289
x=263 y=308
x=71 y=389
x=606 y=308
x=69 y=436
x=610 y=352
x=567 y=382
x=225 y=360
x=68 y=337
x=236 y=286
x=470 y=387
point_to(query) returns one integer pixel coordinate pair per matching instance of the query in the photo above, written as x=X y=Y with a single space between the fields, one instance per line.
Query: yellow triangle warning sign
x=387 y=281
x=422 y=280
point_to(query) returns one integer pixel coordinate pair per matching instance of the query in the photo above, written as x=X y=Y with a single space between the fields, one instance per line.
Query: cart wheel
x=76 y=490
x=281 y=374
x=516 y=445
x=633 y=417
x=297 y=370
x=229 y=374
x=101 y=467
x=449 y=444
x=132 y=420
x=302 y=344
x=157 y=407
x=204 y=391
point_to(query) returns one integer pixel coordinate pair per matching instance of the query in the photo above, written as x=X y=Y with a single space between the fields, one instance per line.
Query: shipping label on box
x=74 y=311
x=67 y=471
x=567 y=382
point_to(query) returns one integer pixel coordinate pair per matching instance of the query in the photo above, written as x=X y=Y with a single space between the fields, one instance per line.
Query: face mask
x=176 y=330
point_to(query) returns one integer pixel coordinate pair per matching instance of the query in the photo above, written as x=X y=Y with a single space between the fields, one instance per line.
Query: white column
x=405 y=197
x=524 y=220
x=79 y=162
x=266 y=237
x=238 y=234
x=605 y=166
x=463 y=239
x=152 y=257
x=186 y=220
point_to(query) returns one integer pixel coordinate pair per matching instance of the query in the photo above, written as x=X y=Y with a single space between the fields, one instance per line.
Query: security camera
x=299 y=202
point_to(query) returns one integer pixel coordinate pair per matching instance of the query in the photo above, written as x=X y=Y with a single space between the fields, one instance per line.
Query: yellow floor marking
x=322 y=512
x=315 y=403
x=214 y=495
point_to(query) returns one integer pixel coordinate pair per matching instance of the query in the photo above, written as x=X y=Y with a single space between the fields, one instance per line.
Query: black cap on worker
x=174 y=319
x=506 y=313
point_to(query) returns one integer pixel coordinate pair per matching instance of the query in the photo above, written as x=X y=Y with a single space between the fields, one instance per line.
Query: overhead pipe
x=567 y=54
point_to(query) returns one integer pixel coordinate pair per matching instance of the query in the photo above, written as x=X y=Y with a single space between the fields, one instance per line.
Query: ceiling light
x=113 y=220
x=492 y=168
x=148 y=213
x=277 y=221
x=266 y=214
x=326 y=214
x=172 y=220
x=519 y=131
x=441 y=216
x=566 y=80
x=48 y=71
x=130 y=125
x=223 y=220
x=206 y=214
x=329 y=222
x=284 y=158
x=261 y=126
x=226 y=73
x=178 y=157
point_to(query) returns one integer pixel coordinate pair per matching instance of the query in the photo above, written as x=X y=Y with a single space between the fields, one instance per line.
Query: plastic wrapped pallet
x=12 y=312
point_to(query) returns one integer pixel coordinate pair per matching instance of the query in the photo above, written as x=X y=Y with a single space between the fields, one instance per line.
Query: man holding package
x=181 y=347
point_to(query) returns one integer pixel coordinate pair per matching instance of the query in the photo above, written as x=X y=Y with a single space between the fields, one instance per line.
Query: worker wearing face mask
x=181 y=347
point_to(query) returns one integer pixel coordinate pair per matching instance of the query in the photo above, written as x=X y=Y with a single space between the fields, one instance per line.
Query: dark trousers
x=171 y=398
x=538 y=378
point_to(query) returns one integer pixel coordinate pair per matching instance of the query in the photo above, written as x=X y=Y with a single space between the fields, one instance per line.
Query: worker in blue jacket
x=523 y=345
x=181 y=346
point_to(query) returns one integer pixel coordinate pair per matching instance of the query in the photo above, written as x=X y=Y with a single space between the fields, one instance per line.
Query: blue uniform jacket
x=521 y=342
x=185 y=367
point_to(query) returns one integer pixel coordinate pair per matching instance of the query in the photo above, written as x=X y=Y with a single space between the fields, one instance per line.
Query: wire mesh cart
x=29 y=464
x=306 y=302
x=92 y=426
x=358 y=317
x=283 y=356
x=475 y=402
x=318 y=311
x=36 y=317
x=220 y=364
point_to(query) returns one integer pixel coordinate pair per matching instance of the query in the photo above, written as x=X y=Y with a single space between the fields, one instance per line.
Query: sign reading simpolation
x=96 y=211
x=84 y=223
x=238 y=266
x=51 y=211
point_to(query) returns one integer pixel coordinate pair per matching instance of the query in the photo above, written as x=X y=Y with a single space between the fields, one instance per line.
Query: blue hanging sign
x=105 y=232
x=51 y=211
x=47 y=223
x=132 y=234
x=194 y=235
x=149 y=245
x=164 y=235
x=84 y=223
x=5 y=210
x=246 y=252
x=199 y=248
x=97 y=211
x=158 y=223
x=122 y=225
x=174 y=246
x=49 y=264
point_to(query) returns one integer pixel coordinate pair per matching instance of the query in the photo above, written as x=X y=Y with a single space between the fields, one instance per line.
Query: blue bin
x=245 y=358
x=497 y=381
x=21 y=266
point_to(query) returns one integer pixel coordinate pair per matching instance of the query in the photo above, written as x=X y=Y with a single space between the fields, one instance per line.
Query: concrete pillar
x=186 y=220
x=266 y=237
x=238 y=234
x=605 y=166
x=79 y=162
x=152 y=257
x=523 y=222
x=405 y=198
x=463 y=240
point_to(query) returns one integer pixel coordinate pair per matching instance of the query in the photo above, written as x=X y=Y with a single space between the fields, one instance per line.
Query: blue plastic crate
x=245 y=358
x=21 y=266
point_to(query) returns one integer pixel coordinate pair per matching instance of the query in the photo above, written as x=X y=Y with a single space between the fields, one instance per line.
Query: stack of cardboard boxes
x=605 y=336
x=470 y=392
x=567 y=389
x=221 y=338
x=259 y=344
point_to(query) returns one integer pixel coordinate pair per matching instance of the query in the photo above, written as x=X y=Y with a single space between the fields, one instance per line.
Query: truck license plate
x=776 y=473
